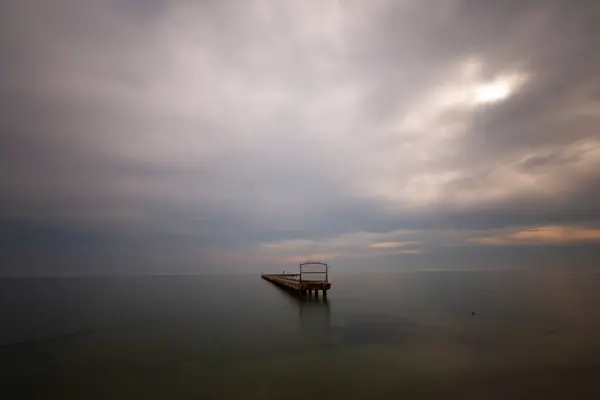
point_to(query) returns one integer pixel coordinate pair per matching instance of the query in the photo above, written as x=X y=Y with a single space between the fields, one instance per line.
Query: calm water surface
x=386 y=335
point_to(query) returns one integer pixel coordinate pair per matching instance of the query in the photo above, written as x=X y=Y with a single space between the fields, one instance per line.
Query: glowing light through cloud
x=493 y=92
x=473 y=92
x=498 y=90
x=465 y=91
x=434 y=128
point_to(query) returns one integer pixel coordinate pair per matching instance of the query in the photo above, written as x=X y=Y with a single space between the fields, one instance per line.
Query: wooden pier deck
x=298 y=284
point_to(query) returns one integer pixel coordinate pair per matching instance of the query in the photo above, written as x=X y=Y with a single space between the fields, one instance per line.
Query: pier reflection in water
x=314 y=317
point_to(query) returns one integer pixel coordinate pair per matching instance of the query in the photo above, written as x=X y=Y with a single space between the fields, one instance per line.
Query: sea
x=501 y=334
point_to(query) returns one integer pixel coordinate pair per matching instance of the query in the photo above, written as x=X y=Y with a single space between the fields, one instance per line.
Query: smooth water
x=452 y=334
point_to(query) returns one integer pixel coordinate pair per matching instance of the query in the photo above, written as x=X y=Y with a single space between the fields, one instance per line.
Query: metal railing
x=321 y=263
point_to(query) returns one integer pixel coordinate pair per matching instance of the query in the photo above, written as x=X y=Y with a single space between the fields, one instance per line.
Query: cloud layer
x=207 y=131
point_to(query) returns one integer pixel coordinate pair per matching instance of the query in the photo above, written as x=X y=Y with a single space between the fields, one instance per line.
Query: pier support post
x=316 y=293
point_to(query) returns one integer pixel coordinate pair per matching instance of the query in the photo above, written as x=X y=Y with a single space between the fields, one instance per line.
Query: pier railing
x=299 y=284
x=325 y=270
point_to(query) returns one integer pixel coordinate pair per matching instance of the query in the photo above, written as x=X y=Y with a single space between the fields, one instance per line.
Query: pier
x=307 y=282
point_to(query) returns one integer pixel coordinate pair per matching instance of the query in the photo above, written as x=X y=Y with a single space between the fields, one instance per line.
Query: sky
x=144 y=136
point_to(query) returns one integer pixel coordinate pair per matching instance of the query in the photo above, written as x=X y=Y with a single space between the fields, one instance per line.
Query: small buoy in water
x=472 y=312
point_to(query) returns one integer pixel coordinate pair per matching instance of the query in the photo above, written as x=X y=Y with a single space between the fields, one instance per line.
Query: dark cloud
x=200 y=130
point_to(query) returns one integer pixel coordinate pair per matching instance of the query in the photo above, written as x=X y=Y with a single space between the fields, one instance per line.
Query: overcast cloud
x=222 y=135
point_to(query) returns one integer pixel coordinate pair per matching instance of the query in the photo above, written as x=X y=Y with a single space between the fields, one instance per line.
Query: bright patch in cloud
x=392 y=245
x=541 y=235
x=498 y=90
x=493 y=92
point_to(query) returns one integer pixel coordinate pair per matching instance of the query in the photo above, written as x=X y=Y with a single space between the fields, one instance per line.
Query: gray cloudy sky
x=146 y=136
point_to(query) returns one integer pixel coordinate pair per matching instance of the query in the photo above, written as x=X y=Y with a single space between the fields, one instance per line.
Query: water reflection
x=314 y=314
x=314 y=317
x=396 y=336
